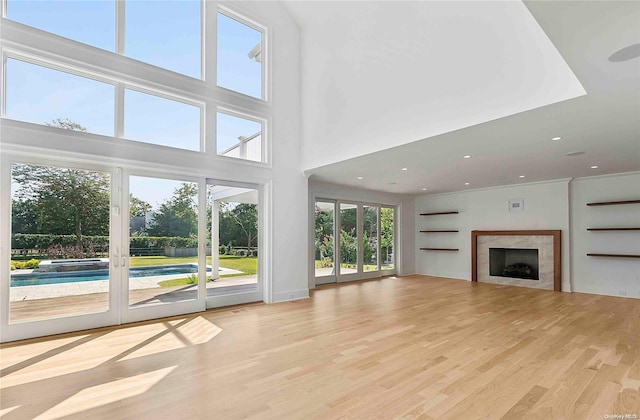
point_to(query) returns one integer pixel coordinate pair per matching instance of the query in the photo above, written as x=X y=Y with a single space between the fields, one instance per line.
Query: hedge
x=44 y=241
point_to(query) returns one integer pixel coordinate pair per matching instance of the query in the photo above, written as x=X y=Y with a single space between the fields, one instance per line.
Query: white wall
x=405 y=219
x=599 y=275
x=546 y=206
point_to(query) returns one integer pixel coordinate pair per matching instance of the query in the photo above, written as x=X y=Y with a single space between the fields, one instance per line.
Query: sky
x=162 y=33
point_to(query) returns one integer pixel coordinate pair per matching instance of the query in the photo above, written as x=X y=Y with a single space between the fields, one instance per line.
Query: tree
x=62 y=200
x=177 y=216
x=246 y=217
x=138 y=207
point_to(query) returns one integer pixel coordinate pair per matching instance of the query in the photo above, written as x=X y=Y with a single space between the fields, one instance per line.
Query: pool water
x=35 y=278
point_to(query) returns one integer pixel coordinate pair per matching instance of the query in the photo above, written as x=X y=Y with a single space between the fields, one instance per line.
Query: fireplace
x=519 y=263
x=525 y=258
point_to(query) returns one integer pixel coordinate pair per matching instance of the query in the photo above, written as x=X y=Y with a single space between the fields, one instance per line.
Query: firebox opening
x=514 y=262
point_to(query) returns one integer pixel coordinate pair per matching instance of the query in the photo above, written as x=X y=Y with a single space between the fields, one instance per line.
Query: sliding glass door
x=58 y=271
x=163 y=264
x=92 y=246
x=234 y=238
x=363 y=246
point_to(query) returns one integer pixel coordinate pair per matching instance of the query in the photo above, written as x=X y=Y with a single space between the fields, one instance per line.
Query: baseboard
x=290 y=295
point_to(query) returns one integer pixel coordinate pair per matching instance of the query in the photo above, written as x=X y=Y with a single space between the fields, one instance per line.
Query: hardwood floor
x=410 y=347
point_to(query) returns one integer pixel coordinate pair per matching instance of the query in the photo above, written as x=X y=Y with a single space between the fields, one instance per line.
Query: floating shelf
x=612 y=229
x=439 y=249
x=438 y=213
x=614 y=255
x=614 y=203
x=441 y=231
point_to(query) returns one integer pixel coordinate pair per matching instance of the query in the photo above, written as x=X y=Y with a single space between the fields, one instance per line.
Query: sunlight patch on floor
x=108 y=393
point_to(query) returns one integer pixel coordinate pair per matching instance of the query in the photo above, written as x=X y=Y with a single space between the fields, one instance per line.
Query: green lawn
x=248 y=266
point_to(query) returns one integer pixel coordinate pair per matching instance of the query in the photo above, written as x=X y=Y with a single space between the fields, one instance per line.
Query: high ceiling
x=604 y=124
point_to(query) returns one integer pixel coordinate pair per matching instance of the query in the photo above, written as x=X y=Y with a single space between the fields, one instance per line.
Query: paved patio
x=85 y=302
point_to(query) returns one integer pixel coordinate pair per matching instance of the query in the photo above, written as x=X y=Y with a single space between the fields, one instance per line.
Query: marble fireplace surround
x=548 y=243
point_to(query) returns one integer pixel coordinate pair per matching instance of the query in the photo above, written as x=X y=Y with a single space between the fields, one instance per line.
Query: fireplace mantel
x=556 y=234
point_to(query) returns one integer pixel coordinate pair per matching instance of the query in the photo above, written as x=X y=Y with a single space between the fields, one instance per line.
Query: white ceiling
x=605 y=123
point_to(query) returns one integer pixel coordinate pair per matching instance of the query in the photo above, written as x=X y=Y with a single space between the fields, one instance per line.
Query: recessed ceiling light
x=556 y=138
x=467 y=156
x=405 y=169
x=575 y=153
x=360 y=177
x=424 y=189
x=594 y=167
x=466 y=183
x=521 y=176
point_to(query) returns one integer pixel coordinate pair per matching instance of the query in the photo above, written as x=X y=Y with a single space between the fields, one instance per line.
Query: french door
x=93 y=245
x=353 y=241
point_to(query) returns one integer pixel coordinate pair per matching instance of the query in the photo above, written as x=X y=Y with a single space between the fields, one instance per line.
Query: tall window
x=166 y=34
x=127 y=101
x=90 y=22
x=240 y=56
x=239 y=137
x=153 y=119
x=41 y=95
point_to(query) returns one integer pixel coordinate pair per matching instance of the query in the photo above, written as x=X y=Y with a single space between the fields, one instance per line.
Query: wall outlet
x=290 y=295
x=622 y=293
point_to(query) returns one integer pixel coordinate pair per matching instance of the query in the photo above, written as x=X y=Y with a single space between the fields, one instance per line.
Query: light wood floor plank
x=410 y=347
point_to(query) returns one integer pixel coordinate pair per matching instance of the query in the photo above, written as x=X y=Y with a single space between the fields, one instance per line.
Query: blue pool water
x=34 y=278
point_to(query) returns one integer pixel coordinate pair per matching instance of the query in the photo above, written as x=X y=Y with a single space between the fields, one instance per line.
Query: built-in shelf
x=614 y=203
x=438 y=213
x=612 y=229
x=614 y=255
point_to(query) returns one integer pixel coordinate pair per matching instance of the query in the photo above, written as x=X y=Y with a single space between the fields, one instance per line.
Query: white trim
x=290 y=295
x=605 y=176
x=499 y=187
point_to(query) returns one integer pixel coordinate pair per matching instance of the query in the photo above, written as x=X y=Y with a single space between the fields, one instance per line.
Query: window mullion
x=120 y=25
x=119 y=111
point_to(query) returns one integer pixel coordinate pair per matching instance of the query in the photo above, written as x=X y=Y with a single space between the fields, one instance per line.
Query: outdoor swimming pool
x=35 y=278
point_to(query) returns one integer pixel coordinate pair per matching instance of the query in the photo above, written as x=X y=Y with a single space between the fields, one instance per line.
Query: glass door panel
x=163 y=241
x=233 y=248
x=324 y=249
x=370 y=238
x=60 y=239
x=348 y=238
x=387 y=238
